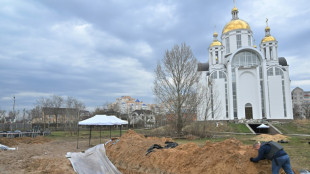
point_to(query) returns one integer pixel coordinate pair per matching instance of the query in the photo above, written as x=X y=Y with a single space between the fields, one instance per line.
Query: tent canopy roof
x=262 y=126
x=103 y=120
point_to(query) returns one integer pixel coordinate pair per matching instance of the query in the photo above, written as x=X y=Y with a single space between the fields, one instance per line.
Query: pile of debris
x=229 y=156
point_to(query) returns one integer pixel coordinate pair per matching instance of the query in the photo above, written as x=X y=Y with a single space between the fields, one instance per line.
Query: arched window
x=246 y=58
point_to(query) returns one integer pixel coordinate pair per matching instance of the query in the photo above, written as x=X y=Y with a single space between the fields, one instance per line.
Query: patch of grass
x=239 y=128
x=294 y=127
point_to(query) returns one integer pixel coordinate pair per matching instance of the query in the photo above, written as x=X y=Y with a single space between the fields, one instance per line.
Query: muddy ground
x=128 y=154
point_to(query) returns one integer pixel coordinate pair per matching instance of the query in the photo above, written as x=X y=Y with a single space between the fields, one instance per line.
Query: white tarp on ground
x=103 y=120
x=4 y=147
x=93 y=160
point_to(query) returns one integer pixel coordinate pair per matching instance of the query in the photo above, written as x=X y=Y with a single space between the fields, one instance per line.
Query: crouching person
x=273 y=151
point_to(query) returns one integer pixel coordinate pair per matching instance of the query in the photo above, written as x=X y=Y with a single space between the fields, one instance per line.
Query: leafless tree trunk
x=175 y=85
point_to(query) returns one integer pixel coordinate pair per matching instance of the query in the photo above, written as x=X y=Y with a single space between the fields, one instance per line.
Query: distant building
x=144 y=118
x=127 y=104
x=301 y=101
x=52 y=116
x=250 y=82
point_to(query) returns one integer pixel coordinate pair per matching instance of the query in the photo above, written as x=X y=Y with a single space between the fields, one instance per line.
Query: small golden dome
x=267 y=28
x=268 y=39
x=255 y=46
x=234 y=9
x=215 y=34
x=235 y=25
x=216 y=43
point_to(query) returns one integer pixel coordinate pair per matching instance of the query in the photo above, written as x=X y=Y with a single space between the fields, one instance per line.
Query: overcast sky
x=99 y=50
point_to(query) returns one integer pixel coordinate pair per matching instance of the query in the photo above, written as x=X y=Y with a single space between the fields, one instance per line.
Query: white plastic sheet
x=93 y=160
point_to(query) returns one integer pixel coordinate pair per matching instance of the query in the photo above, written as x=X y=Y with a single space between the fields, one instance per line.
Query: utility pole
x=24 y=112
x=14 y=107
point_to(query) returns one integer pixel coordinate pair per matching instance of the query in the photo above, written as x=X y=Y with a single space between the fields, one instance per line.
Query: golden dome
x=235 y=25
x=216 y=43
x=234 y=9
x=268 y=39
x=267 y=28
x=215 y=34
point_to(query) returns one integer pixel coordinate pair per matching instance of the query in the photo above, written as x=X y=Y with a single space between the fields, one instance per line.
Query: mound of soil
x=229 y=156
x=267 y=137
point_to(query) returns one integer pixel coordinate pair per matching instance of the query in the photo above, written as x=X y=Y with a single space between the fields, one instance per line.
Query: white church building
x=246 y=82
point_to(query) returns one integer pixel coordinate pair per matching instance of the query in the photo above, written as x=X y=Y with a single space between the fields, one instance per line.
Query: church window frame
x=246 y=58
x=249 y=40
x=238 y=40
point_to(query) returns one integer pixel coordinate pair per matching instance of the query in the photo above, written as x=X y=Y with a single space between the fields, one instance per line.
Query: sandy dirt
x=229 y=156
x=36 y=155
x=267 y=137
x=128 y=154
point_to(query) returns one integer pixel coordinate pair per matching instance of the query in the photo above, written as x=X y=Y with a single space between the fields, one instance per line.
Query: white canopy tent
x=101 y=120
x=262 y=126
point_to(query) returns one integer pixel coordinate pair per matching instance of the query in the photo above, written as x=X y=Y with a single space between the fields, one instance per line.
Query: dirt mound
x=25 y=140
x=229 y=156
x=267 y=137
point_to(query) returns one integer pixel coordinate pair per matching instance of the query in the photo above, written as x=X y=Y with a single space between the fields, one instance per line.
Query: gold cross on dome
x=267 y=22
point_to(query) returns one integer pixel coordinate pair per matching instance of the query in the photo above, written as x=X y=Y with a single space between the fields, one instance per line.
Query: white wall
x=219 y=100
x=248 y=92
x=275 y=97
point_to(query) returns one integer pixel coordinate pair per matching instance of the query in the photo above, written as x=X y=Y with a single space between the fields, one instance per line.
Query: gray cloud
x=97 y=51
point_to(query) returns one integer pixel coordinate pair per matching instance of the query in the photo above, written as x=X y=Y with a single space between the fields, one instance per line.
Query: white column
x=210 y=58
x=274 y=53
x=220 y=56
x=213 y=57
x=267 y=53
x=266 y=92
x=230 y=94
x=258 y=94
x=237 y=91
x=276 y=50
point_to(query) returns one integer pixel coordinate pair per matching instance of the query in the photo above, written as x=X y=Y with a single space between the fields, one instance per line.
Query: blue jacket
x=265 y=149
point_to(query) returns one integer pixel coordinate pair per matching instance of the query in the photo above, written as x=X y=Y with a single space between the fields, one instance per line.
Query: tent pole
x=89 y=136
x=77 y=141
x=120 y=130
x=100 y=134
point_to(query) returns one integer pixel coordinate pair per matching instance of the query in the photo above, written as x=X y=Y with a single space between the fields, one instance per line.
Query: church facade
x=245 y=82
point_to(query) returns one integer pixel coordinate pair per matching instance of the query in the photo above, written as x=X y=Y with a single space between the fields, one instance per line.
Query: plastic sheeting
x=93 y=160
x=103 y=120
x=4 y=147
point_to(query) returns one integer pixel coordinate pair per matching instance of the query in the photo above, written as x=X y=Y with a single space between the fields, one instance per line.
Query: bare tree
x=57 y=102
x=175 y=85
x=73 y=108
x=297 y=111
x=2 y=116
x=306 y=110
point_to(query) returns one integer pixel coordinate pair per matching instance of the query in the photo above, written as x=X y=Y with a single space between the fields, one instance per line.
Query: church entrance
x=248 y=111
